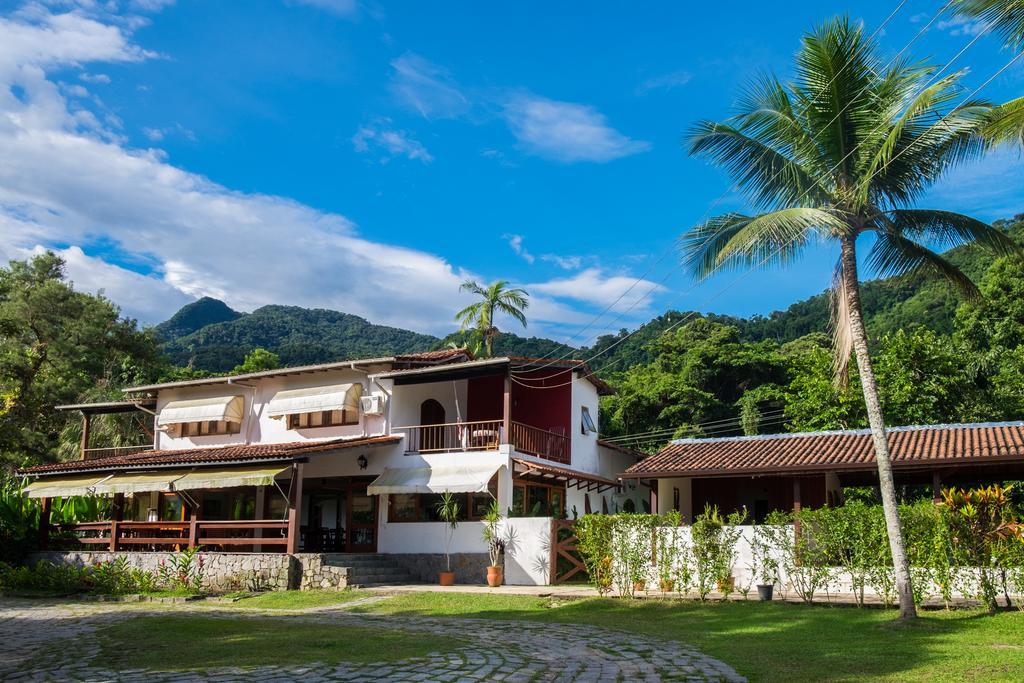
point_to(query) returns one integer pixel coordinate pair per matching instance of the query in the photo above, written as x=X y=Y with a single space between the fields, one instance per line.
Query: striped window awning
x=315 y=399
x=213 y=409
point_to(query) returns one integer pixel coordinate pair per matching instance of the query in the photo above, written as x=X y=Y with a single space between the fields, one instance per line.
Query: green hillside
x=208 y=335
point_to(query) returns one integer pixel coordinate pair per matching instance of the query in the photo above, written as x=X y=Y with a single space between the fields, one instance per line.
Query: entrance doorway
x=338 y=516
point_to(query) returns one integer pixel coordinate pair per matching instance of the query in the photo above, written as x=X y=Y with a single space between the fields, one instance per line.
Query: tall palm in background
x=1006 y=122
x=496 y=297
x=843 y=151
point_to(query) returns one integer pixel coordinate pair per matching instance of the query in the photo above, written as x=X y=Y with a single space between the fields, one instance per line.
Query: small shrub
x=183 y=571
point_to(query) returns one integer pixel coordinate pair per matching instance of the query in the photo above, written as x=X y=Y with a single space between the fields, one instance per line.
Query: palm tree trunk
x=851 y=286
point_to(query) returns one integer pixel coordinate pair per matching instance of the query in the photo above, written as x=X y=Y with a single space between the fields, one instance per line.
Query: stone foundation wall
x=468 y=567
x=321 y=572
x=224 y=572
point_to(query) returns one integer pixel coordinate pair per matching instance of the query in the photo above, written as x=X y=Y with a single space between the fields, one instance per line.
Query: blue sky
x=368 y=157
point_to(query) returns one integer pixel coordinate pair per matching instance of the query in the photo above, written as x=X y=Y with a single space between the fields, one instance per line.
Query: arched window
x=431 y=412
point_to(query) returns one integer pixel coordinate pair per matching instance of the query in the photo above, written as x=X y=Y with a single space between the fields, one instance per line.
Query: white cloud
x=962 y=26
x=620 y=292
x=389 y=143
x=341 y=8
x=564 y=262
x=566 y=131
x=667 y=81
x=154 y=134
x=95 y=78
x=427 y=88
x=516 y=242
x=67 y=181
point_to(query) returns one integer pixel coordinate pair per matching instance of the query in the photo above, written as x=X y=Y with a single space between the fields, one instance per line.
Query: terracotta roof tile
x=210 y=455
x=435 y=356
x=846 y=450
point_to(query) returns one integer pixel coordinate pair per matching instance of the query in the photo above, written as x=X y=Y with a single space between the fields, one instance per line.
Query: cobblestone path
x=46 y=642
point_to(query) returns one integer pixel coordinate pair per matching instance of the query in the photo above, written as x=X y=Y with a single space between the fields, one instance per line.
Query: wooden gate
x=564 y=546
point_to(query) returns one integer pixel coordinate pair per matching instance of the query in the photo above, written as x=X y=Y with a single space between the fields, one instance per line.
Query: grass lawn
x=196 y=642
x=298 y=599
x=777 y=642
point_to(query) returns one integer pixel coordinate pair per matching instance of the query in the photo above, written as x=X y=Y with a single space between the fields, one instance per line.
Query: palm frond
x=947 y=229
x=1006 y=124
x=766 y=174
x=773 y=238
x=894 y=255
x=1007 y=16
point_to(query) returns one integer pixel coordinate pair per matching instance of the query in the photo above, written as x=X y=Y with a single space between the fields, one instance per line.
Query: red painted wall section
x=547 y=408
x=485 y=396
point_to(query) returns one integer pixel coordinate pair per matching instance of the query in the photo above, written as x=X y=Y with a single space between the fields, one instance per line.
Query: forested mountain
x=208 y=335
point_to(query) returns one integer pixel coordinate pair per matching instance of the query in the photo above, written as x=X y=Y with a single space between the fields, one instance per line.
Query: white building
x=352 y=457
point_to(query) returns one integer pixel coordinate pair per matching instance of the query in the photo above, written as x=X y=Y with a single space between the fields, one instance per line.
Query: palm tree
x=1006 y=122
x=839 y=153
x=494 y=298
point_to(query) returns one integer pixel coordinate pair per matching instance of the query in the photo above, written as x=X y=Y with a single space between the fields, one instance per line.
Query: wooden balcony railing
x=175 y=535
x=486 y=436
x=116 y=451
x=482 y=435
x=541 y=442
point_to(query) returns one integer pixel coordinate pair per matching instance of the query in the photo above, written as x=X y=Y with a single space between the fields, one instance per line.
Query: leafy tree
x=57 y=345
x=698 y=374
x=495 y=298
x=840 y=152
x=257 y=360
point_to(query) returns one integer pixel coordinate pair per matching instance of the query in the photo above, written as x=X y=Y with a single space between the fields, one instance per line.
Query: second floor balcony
x=484 y=405
x=487 y=435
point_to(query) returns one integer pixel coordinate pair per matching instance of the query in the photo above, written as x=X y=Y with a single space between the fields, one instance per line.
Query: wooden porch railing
x=173 y=535
x=484 y=435
x=541 y=442
x=92 y=453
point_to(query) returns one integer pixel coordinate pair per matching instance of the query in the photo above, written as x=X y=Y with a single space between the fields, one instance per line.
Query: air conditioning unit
x=372 y=404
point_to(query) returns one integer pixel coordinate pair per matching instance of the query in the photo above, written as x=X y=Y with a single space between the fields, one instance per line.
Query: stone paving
x=49 y=642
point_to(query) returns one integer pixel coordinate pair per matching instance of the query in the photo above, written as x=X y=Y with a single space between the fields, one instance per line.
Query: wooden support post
x=117 y=507
x=506 y=410
x=86 y=428
x=936 y=487
x=193 y=527
x=654 y=497
x=113 y=535
x=261 y=513
x=44 y=523
x=294 y=509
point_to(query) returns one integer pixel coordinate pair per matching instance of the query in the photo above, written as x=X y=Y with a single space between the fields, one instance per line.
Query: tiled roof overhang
x=199 y=457
x=544 y=473
x=851 y=451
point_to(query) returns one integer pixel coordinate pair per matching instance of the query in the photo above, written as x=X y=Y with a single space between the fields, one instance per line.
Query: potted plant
x=495 y=546
x=448 y=510
x=765 y=563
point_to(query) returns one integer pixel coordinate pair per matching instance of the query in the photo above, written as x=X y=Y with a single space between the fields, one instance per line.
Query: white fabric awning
x=453 y=479
x=315 y=399
x=217 y=408
x=134 y=482
x=228 y=477
x=62 y=487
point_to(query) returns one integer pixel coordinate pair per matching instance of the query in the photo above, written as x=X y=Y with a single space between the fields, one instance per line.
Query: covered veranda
x=784 y=472
x=245 y=498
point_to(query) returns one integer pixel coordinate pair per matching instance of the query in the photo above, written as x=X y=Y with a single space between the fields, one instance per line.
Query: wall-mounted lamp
x=363 y=462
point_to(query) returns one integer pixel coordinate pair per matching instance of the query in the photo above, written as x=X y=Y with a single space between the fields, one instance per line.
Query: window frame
x=294 y=421
x=465 y=501
x=587 y=423
x=521 y=486
x=199 y=429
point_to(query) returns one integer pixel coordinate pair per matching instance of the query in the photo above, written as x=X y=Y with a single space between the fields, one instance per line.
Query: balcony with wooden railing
x=486 y=435
x=228 y=535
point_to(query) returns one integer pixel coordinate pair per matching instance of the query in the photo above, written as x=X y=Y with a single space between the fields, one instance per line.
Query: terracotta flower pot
x=446 y=578
x=667 y=585
x=495 y=576
x=639 y=586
